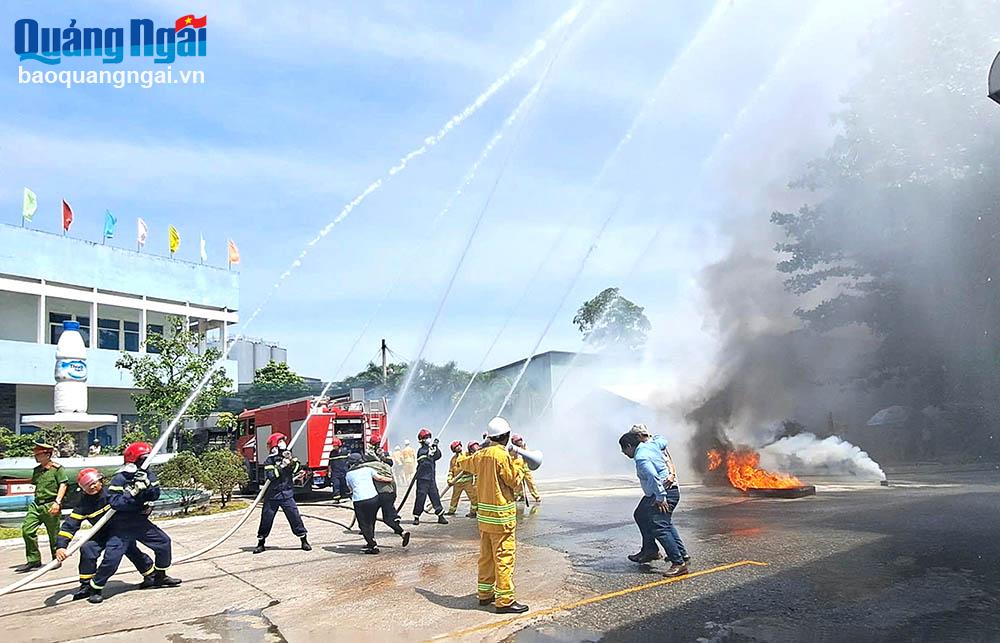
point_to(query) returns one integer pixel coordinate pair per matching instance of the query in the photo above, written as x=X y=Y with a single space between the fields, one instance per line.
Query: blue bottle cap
x=71 y=325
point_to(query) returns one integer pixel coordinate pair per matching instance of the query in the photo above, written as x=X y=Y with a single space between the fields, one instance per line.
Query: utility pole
x=385 y=364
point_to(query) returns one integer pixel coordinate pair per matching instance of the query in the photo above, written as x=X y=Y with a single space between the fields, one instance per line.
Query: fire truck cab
x=351 y=418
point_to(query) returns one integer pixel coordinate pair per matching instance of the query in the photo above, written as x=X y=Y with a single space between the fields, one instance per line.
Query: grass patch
x=6 y=533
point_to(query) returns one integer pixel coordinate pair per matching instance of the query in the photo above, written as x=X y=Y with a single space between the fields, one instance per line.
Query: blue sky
x=306 y=103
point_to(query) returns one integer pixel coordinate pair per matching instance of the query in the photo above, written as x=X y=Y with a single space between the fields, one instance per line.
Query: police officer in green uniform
x=51 y=485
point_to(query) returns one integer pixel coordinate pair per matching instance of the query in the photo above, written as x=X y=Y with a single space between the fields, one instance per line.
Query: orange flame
x=743 y=472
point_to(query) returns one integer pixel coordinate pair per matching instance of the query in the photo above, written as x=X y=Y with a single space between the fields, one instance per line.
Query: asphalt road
x=917 y=561
x=858 y=562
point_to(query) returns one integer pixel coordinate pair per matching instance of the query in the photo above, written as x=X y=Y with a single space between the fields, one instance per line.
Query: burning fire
x=743 y=472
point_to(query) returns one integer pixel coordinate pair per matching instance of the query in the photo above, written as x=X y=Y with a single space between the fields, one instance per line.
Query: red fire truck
x=351 y=418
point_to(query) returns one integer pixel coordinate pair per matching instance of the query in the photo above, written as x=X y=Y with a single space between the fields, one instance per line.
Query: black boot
x=27 y=567
x=82 y=592
x=513 y=608
x=160 y=579
x=147 y=582
x=416 y=520
x=260 y=546
x=442 y=520
x=305 y=545
x=406 y=538
x=95 y=596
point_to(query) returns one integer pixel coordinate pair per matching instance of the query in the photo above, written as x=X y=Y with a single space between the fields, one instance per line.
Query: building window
x=109 y=334
x=131 y=336
x=150 y=330
x=55 y=326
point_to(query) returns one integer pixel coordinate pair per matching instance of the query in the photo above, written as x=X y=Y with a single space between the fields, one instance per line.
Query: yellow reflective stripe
x=95 y=586
x=87 y=576
x=76 y=516
x=149 y=571
x=98 y=512
x=498 y=508
x=490 y=520
x=65 y=534
x=115 y=488
x=161 y=569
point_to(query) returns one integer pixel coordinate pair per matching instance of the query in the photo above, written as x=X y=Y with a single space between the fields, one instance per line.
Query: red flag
x=67 y=216
x=190 y=21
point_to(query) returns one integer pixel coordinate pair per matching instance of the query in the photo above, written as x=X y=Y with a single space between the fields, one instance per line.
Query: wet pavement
x=919 y=560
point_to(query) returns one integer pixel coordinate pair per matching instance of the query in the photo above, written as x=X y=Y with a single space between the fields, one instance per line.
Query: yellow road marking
x=594 y=599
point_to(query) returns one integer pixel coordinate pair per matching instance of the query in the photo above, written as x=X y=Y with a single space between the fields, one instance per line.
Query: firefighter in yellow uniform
x=529 y=480
x=497 y=475
x=460 y=482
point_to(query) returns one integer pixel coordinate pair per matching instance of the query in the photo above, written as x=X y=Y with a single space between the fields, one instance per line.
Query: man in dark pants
x=280 y=468
x=338 y=471
x=94 y=504
x=386 y=488
x=427 y=456
x=653 y=515
x=131 y=494
x=362 y=480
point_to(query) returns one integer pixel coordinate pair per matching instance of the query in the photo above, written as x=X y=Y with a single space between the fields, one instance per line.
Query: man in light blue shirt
x=661 y=495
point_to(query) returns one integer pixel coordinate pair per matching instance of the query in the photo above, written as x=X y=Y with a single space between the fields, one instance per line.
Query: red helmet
x=456 y=446
x=275 y=439
x=137 y=450
x=473 y=447
x=517 y=439
x=375 y=440
x=88 y=476
x=336 y=443
x=423 y=434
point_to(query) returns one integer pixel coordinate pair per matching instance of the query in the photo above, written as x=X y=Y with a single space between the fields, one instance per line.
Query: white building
x=117 y=295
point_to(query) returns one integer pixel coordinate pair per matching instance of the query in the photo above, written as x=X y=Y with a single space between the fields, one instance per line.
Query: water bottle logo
x=71 y=370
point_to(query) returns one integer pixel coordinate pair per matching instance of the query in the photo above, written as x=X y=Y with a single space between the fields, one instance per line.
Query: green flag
x=30 y=205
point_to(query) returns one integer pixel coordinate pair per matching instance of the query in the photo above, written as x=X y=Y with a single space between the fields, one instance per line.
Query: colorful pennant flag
x=141 y=232
x=173 y=238
x=204 y=253
x=234 y=253
x=29 y=206
x=67 y=213
x=110 y=221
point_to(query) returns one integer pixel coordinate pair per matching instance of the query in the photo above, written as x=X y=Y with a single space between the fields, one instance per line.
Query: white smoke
x=806 y=454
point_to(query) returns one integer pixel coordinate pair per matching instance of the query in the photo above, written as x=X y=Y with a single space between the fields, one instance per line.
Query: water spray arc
x=558 y=307
x=562 y=23
x=528 y=100
x=609 y=162
x=814 y=21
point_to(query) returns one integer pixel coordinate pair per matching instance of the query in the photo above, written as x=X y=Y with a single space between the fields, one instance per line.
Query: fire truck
x=351 y=418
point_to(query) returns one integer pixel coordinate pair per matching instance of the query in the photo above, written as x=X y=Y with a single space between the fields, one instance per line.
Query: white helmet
x=497 y=427
x=406 y=442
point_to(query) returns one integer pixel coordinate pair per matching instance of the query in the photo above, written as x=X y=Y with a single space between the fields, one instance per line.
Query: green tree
x=169 y=377
x=223 y=471
x=612 y=321
x=185 y=473
x=13 y=445
x=274 y=383
x=899 y=233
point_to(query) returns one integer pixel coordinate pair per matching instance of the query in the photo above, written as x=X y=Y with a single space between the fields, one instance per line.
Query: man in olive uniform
x=45 y=509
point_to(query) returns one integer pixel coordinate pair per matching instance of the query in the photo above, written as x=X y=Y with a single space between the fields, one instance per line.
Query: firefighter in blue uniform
x=131 y=494
x=427 y=456
x=93 y=505
x=280 y=468
x=338 y=471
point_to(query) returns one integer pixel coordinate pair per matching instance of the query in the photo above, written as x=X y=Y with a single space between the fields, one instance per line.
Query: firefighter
x=51 y=484
x=93 y=505
x=375 y=452
x=338 y=471
x=497 y=476
x=280 y=468
x=460 y=482
x=427 y=456
x=131 y=494
x=409 y=462
x=385 y=486
x=397 y=466
x=529 y=480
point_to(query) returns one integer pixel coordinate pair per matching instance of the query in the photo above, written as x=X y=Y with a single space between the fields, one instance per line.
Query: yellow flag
x=174 y=238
